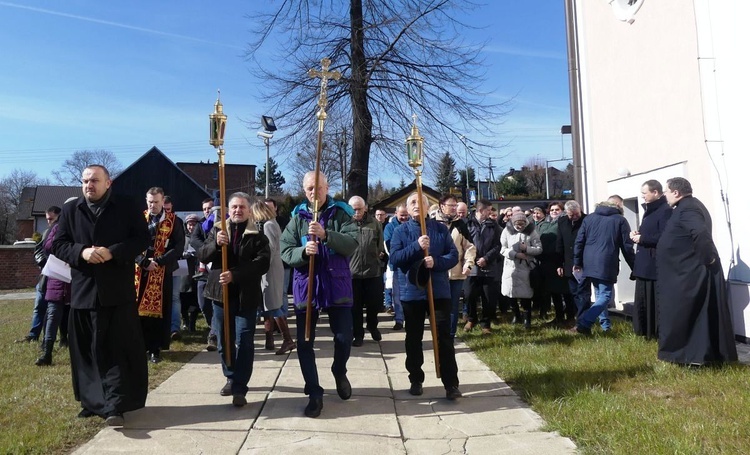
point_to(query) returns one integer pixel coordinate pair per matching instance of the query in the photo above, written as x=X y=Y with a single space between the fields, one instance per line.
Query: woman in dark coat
x=695 y=325
x=655 y=217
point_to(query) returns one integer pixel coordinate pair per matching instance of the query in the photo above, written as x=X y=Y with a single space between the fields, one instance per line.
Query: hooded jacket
x=515 y=283
x=602 y=234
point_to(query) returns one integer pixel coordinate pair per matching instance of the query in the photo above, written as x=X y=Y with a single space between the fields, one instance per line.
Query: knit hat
x=191 y=218
x=519 y=216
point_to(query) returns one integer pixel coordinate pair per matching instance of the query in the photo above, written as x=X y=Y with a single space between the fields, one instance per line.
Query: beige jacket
x=467 y=254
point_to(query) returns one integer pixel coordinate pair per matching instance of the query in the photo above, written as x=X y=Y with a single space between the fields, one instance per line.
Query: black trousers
x=645 y=322
x=483 y=287
x=368 y=294
x=415 y=312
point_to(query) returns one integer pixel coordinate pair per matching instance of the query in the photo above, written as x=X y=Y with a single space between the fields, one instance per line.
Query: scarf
x=150 y=299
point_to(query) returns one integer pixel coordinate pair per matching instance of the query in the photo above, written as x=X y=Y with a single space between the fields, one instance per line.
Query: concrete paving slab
x=166 y=441
x=465 y=417
x=531 y=443
x=373 y=416
x=211 y=380
x=195 y=412
x=364 y=381
x=478 y=383
x=314 y=443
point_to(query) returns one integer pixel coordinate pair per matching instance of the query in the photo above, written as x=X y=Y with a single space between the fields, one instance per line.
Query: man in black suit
x=100 y=235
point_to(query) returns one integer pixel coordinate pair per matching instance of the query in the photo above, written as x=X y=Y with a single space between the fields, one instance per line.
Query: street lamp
x=467 y=147
x=565 y=129
x=269 y=127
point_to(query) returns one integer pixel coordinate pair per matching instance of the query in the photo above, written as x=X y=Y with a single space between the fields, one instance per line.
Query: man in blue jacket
x=414 y=269
x=602 y=236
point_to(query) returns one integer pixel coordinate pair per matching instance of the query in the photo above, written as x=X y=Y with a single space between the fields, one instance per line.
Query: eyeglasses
x=554 y=210
x=450 y=205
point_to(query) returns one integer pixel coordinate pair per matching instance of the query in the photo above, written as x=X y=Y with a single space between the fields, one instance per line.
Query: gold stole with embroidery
x=150 y=302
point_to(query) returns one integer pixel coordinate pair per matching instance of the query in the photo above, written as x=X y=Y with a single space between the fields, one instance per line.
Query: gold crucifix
x=324 y=75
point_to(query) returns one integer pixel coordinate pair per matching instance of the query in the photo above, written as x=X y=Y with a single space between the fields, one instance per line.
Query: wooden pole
x=228 y=342
x=430 y=297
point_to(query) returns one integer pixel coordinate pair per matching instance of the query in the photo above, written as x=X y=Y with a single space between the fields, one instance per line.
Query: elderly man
x=414 y=268
x=248 y=258
x=331 y=240
x=568 y=226
x=100 y=235
x=153 y=273
x=402 y=216
x=462 y=211
x=695 y=325
x=367 y=278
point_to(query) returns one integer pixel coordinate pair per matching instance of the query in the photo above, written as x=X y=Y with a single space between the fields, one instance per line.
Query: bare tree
x=71 y=170
x=11 y=188
x=533 y=170
x=397 y=58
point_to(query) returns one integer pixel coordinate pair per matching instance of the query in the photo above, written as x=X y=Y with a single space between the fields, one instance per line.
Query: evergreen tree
x=275 y=183
x=446 y=174
x=513 y=185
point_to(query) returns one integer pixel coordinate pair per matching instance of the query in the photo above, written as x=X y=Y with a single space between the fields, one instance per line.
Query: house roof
x=389 y=204
x=154 y=168
x=36 y=200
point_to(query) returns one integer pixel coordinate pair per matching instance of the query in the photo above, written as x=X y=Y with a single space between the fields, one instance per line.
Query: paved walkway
x=186 y=414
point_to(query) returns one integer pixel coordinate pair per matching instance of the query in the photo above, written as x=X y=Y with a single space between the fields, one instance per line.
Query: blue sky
x=127 y=75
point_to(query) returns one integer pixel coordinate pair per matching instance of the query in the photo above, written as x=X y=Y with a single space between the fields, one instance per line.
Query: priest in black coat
x=695 y=325
x=100 y=235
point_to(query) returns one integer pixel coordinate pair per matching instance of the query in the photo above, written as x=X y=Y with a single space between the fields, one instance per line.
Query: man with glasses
x=461 y=237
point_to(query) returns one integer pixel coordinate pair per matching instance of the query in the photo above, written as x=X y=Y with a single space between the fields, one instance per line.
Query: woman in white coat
x=272 y=282
x=519 y=244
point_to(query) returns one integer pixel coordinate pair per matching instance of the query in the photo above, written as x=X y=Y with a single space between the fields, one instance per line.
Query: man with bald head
x=330 y=235
x=462 y=211
x=367 y=276
x=414 y=268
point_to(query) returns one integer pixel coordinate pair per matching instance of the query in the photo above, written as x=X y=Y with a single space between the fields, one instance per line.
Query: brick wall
x=17 y=267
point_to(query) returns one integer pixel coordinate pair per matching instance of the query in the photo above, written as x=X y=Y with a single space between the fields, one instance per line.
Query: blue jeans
x=54 y=318
x=176 y=304
x=456 y=288
x=40 y=311
x=206 y=307
x=340 y=321
x=398 y=309
x=242 y=350
x=603 y=291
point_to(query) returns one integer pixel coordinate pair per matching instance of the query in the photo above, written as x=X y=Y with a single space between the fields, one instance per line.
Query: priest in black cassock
x=695 y=325
x=100 y=235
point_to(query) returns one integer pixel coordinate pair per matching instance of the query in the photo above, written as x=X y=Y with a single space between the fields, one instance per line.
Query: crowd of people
x=140 y=277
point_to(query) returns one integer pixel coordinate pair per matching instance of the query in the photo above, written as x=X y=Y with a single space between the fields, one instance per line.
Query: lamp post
x=415 y=155
x=565 y=129
x=269 y=126
x=467 y=147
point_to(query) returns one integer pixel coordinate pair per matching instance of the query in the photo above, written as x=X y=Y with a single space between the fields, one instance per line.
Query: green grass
x=37 y=408
x=610 y=394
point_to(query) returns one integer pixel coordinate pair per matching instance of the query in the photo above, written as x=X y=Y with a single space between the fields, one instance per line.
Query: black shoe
x=357 y=342
x=27 y=339
x=85 y=414
x=376 y=334
x=114 y=419
x=227 y=389
x=314 y=407
x=239 y=401
x=343 y=387
x=175 y=336
x=154 y=358
x=64 y=344
x=398 y=326
x=452 y=393
x=44 y=360
x=416 y=389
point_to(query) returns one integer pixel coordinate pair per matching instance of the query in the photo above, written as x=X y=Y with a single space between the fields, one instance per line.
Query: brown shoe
x=486 y=331
x=286 y=346
x=469 y=326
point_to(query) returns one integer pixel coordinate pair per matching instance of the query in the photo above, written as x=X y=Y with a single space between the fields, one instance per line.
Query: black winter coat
x=567 y=231
x=654 y=220
x=120 y=227
x=486 y=238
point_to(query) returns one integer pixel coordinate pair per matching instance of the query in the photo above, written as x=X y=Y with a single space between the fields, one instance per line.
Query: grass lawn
x=37 y=408
x=610 y=394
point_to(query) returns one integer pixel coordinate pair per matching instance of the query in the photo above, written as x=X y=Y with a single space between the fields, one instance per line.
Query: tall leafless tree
x=397 y=58
x=71 y=170
x=11 y=188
